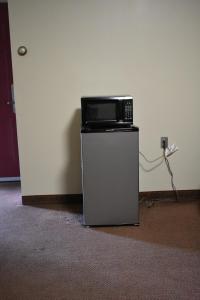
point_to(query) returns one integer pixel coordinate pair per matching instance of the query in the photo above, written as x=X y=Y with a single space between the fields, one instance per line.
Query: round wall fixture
x=22 y=50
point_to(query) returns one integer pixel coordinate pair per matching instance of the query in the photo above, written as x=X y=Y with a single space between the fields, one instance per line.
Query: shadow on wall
x=71 y=179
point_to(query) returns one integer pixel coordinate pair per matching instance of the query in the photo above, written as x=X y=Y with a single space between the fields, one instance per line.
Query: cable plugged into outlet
x=164 y=142
x=171 y=149
x=166 y=152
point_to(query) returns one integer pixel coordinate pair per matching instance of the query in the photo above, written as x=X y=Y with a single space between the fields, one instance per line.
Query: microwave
x=107 y=111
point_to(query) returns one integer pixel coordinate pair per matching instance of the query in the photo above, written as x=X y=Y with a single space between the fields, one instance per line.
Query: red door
x=9 y=161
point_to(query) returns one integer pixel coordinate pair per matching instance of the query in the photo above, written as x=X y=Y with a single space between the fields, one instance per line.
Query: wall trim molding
x=182 y=195
x=52 y=199
x=78 y=198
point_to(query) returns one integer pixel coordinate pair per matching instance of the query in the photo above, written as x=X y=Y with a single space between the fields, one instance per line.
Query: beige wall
x=149 y=49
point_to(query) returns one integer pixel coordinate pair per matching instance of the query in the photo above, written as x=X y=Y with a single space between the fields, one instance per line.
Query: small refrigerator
x=110 y=176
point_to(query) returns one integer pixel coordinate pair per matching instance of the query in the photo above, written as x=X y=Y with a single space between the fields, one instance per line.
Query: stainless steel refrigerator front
x=110 y=163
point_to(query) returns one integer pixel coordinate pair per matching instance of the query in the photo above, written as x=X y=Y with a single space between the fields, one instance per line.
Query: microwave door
x=102 y=112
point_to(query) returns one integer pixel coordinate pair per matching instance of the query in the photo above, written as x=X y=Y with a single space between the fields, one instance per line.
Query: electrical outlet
x=164 y=142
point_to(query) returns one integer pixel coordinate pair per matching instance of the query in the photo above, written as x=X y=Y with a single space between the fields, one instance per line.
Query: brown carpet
x=167 y=223
x=45 y=253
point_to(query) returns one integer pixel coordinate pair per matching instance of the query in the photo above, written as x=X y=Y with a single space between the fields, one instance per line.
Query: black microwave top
x=107 y=111
x=122 y=97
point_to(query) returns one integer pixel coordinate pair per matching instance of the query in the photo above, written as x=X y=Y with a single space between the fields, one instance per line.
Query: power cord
x=171 y=174
x=151 y=161
x=148 y=160
x=154 y=167
x=148 y=203
x=162 y=158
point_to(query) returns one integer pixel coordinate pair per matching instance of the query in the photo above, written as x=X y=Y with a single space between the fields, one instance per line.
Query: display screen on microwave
x=101 y=112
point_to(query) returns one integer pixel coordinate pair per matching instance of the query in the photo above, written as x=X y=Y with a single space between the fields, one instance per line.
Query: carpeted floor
x=45 y=253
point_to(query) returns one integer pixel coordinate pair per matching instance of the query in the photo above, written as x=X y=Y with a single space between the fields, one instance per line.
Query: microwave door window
x=101 y=112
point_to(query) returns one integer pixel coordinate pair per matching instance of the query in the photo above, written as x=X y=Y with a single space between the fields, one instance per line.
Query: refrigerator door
x=110 y=178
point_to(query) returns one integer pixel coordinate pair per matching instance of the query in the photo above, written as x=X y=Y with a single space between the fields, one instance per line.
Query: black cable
x=151 y=169
x=150 y=160
x=171 y=174
x=148 y=203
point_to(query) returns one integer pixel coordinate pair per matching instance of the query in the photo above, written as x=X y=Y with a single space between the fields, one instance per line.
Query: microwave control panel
x=128 y=110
